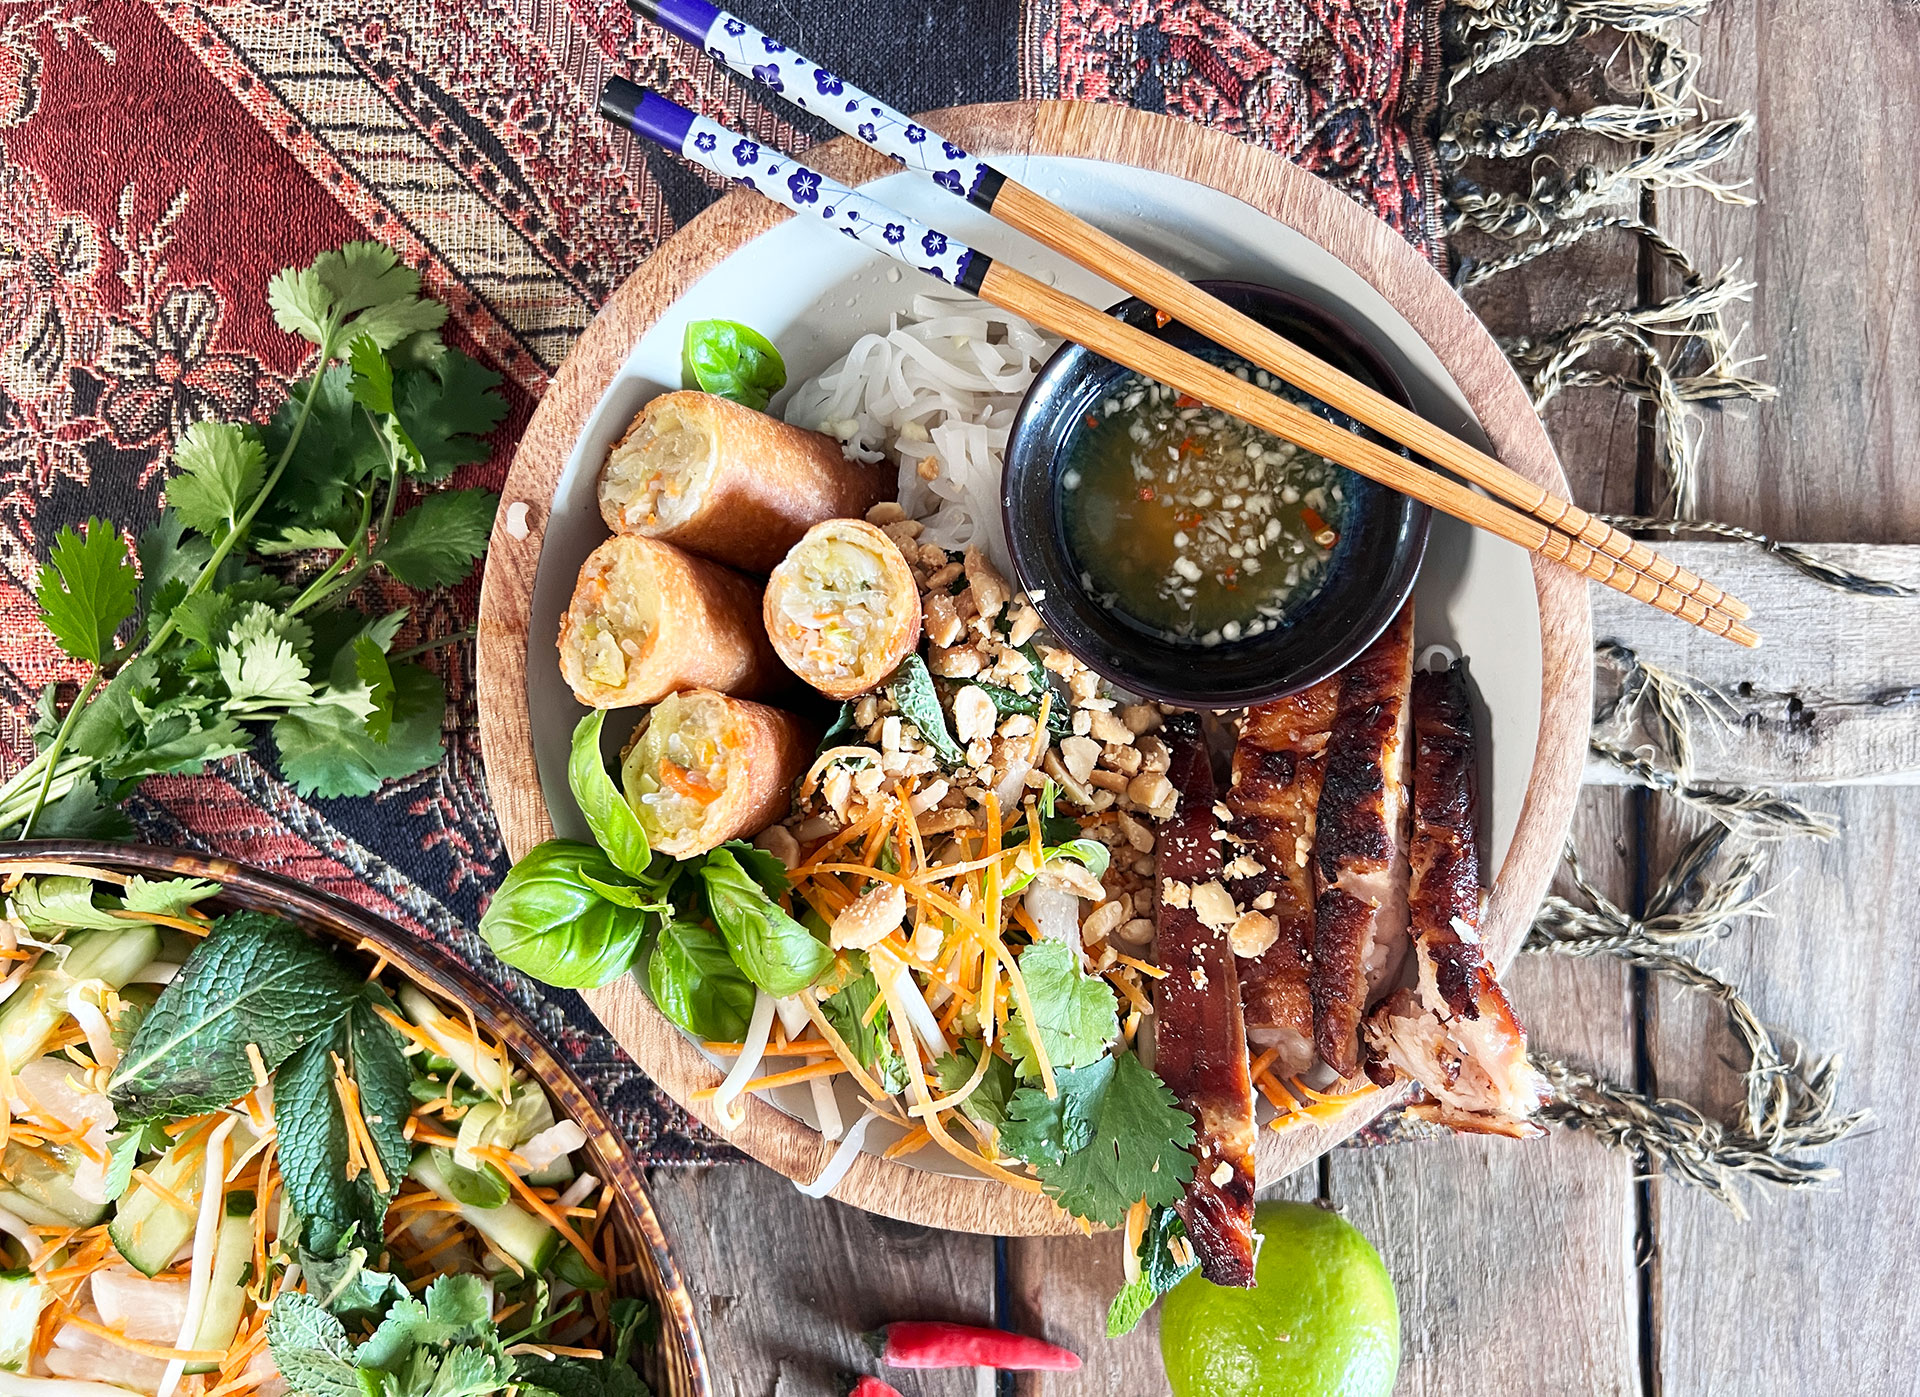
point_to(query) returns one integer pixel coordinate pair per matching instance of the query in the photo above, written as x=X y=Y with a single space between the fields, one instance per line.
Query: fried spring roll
x=647 y=619
x=1200 y=1042
x=1279 y=762
x=705 y=768
x=729 y=483
x=842 y=608
x=1360 y=844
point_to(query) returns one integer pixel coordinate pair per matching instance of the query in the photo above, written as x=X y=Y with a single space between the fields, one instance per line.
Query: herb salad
x=235 y=1166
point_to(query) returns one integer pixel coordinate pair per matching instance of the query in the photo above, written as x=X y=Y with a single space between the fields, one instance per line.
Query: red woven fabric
x=159 y=162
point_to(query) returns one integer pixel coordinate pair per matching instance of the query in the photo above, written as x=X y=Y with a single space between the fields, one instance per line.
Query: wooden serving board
x=1262 y=180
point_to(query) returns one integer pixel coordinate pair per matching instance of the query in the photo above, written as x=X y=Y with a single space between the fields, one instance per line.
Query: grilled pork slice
x=1360 y=847
x=1278 y=764
x=1200 y=1042
x=1455 y=1033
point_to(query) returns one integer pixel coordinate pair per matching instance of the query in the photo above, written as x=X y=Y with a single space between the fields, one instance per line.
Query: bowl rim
x=1056 y=378
x=1095 y=133
x=354 y=927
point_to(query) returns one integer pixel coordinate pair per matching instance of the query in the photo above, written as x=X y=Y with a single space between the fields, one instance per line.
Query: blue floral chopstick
x=786 y=181
x=731 y=41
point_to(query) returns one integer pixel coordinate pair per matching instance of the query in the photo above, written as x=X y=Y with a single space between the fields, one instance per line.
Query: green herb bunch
x=229 y=619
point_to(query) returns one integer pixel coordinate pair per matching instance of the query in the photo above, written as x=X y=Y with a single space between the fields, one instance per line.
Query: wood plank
x=1514 y=1261
x=1832 y=698
x=783 y=1285
x=1759 y=1307
x=1831 y=246
x=1059 y=1288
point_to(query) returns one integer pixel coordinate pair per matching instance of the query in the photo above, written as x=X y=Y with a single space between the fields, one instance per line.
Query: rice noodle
x=944 y=383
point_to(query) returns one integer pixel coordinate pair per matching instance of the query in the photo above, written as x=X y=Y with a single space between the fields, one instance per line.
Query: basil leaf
x=485 y=1187
x=255 y=979
x=911 y=688
x=695 y=983
x=762 y=867
x=843 y=730
x=731 y=360
x=616 y=829
x=1006 y=703
x=771 y=948
x=547 y=921
x=626 y=894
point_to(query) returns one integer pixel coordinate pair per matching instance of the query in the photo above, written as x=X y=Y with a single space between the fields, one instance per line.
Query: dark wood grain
x=784 y=1285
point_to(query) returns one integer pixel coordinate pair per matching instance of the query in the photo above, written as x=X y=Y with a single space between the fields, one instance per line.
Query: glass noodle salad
x=236 y=1165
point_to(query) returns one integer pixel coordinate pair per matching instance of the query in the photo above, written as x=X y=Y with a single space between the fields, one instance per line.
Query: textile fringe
x=1811 y=564
x=1789 y=1106
x=1678 y=354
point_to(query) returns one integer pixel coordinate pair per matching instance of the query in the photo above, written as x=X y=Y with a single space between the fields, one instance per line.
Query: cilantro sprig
x=231 y=620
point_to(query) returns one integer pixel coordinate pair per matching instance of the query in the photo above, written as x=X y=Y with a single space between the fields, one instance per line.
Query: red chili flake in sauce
x=1146 y=492
x=1092 y=421
x=1161 y=319
x=1186 y=400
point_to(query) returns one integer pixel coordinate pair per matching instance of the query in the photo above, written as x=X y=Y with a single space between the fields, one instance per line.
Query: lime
x=1321 y=1320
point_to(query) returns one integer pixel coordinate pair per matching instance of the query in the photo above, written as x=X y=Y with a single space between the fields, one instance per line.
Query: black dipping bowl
x=1372 y=570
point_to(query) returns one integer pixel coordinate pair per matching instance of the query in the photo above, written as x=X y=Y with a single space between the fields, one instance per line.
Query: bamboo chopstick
x=753 y=54
x=860 y=216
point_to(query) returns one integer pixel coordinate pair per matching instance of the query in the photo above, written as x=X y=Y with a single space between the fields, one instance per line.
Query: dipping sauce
x=1190 y=524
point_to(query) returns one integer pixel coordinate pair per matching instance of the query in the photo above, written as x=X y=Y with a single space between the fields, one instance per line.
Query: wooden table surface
x=1550 y=1267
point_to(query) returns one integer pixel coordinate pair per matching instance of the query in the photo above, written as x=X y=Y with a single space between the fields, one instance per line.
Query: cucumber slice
x=39 y=1187
x=30 y=1016
x=147 y=1229
x=487 y=1073
x=510 y=1227
x=226 y=1286
x=22 y=1297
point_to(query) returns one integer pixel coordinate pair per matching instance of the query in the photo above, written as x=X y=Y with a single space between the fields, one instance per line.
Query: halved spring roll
x=842 y=608
x=705 y=768
x=647 y=619
x=729 y=483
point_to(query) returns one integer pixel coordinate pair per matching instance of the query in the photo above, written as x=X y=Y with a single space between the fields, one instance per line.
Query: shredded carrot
x=165 y=1194
x=1261 y=1063
x=179 y=1128
x=780 y=1079
x=546 y=1212
x=1152 y=972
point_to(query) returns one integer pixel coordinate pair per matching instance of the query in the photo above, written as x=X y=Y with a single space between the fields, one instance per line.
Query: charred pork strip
x=1455 y=1034
x=1200 y=1041
x=1360 y=846
x=1278 y=763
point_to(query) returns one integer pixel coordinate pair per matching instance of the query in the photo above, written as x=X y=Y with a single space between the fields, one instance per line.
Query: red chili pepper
x=1187 y=446
x=1186 y=400
x=937 y=1344
x=873 y=1387
x=1092 y=421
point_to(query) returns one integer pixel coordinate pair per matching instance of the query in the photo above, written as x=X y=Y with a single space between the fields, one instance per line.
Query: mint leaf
x=1160 y=1271
x=1079 y=1016
x=435 y=543
x=86 y=590
x=313 y=1129
x=220 y=468
x=255 y=979
x=1115 y=1134
x=310 y=1348
x=447 y=409
x=987 y=1107
x=325 y=750
x=347 y=1287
